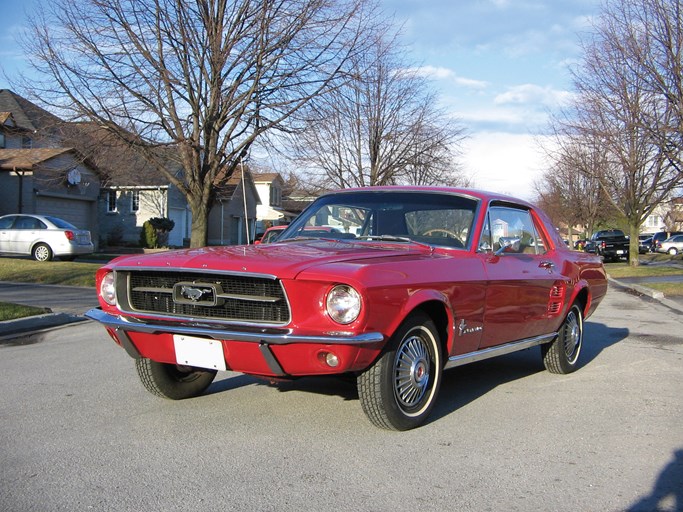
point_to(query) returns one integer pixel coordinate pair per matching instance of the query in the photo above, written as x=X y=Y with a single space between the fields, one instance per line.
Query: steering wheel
x=446 y=232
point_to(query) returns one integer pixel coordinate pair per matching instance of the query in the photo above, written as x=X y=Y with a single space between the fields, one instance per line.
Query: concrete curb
x=647 y=292
x=12 y=329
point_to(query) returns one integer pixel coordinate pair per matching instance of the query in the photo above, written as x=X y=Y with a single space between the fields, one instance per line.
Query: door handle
x=548 y=265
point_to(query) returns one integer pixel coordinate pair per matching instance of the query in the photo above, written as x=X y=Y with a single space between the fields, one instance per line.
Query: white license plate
x=200 y=352
x=620 y=252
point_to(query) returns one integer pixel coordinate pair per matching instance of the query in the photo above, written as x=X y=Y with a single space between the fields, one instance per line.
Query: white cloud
x=533 y=94
x=504 y=163
x=443 y=73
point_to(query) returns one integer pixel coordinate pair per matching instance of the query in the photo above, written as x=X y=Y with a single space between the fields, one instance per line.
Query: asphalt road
x=78 y=432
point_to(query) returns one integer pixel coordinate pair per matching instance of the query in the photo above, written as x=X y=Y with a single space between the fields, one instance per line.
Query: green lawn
x=13 y=311
x=652 y=265
x=24 y=270
x=617 y=270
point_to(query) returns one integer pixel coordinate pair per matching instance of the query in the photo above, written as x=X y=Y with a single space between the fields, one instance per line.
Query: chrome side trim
x=500 y=350
x=120 y=323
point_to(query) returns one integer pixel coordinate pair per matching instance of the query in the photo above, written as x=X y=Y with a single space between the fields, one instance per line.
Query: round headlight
x=343 y=304
x=108 y=289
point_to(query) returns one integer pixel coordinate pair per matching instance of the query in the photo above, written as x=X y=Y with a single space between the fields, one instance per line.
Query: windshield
x=424 y=217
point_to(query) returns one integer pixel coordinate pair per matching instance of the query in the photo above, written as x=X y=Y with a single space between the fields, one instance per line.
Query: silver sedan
x=43 y=237
x=672 y=245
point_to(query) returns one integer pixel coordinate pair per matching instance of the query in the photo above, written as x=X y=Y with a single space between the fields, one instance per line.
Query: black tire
x=399 y=390
x=173 y=381
x=42 y=252
x=673 y=251
x=562 y=354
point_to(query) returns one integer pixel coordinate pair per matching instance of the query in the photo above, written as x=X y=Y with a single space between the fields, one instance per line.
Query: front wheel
x=562 y=354
x=673 y=251
x=173 y=381
x=400 y=389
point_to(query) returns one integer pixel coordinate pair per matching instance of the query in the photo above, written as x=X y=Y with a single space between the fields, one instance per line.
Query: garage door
x=77 y=213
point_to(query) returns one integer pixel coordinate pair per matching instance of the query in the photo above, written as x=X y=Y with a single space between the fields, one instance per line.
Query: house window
x=653 y=221
x=26 y=142
x=275 y=196
x=135 y=201
x=2 y=141
x=111 y=201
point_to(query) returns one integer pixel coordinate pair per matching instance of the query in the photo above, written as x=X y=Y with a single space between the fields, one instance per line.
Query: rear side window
x=61 y=224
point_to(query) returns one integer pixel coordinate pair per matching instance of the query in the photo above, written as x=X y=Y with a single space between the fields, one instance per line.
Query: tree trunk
x=200 y=225
x=633 y=253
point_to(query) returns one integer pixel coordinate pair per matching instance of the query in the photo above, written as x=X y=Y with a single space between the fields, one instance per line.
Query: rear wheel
x=400 y=389
x=673 y=251
x=173 y=381
x=42 y=252
x=562 y=354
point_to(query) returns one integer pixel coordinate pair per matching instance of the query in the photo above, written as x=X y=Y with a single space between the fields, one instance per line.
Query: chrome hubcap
x=411 y=371
x=572 y=336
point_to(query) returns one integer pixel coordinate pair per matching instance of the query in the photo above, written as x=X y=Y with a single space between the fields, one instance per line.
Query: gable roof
x=119 y=165
x=227 y=189
x=27 y=116
x=7 y=119
x=268 y=177
x=26 y=159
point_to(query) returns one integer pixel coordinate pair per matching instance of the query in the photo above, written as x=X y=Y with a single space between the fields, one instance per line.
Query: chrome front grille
x=223 y=297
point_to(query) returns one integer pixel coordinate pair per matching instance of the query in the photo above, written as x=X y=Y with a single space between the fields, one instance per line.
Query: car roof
x=468 y=192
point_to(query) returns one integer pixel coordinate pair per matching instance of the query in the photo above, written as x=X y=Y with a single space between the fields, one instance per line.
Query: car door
x=520 y=276
x=24 y=232
x=6 y=233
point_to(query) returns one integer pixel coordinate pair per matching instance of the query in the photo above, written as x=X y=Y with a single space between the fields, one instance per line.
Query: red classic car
x=390 y=284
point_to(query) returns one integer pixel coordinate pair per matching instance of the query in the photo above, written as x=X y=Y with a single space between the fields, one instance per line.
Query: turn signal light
x=329 y=358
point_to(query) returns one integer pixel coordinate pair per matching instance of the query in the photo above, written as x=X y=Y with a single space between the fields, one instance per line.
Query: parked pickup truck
x=611 y=244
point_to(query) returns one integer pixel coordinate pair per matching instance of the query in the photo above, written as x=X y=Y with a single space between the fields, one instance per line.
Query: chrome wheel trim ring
x=573 y=335
x=412 y=370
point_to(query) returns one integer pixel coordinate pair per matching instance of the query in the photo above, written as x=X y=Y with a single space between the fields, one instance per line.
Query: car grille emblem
x=200 y=294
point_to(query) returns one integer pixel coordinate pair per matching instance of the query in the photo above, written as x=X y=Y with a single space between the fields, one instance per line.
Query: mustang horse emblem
x=194 y=294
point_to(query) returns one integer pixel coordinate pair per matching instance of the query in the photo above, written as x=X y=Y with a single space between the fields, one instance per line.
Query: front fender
x=443 y=317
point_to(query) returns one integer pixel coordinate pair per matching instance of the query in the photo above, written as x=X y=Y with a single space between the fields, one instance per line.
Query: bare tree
x=569 y=191
x=621 y=110
x=205 y=78
x=651 y=33
x=381 y=128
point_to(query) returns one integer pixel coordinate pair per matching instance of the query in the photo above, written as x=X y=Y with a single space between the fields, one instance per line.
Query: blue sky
x=499 y=67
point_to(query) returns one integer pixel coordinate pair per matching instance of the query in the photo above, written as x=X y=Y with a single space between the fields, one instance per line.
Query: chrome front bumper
x=120 y=323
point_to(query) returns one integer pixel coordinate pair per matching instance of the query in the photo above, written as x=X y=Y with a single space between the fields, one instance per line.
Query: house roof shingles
x=27 y=116
x=26 y=159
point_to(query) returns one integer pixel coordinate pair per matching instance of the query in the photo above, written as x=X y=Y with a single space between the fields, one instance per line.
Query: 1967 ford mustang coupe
x=392 y=285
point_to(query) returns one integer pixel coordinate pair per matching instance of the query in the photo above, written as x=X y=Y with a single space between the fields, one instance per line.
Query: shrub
x=148 y=236
x=154 y=232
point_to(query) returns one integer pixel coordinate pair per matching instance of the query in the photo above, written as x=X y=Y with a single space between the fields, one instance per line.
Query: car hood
x=284 y=260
